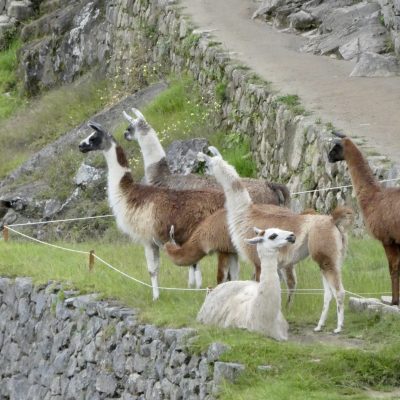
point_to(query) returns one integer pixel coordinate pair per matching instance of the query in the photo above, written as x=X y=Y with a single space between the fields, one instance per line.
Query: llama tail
x=282 y=192
x=343 y=217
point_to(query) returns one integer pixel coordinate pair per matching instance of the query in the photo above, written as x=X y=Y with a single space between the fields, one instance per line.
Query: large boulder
x=376 y=65
x=71 y=39
x=182 y=155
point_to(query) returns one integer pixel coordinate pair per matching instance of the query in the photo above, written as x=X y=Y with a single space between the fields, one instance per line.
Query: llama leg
x=197 y=276
x=222 y=273
x=334 y=280
x=152 y=253
x=192 y=277
x=325 y=308
x=288 y=274
x=233 y=267
x=393 y=256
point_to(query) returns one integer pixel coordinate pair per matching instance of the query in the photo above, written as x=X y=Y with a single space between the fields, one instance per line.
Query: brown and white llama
x=323 y=237
x=145 y=212
x=255 y=306
x=380 y=206
x=158 y=173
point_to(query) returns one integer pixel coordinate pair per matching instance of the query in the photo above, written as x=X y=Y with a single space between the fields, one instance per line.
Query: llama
x=380 y=206
x=321 y=236
x=145 y=212
x=248 y=304
x=157 y=173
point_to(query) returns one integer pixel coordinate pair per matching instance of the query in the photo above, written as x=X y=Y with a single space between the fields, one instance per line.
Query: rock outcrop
x=344 y=29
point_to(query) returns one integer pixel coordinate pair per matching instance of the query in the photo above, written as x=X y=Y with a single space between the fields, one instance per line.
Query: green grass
x=10 y=99
x=293 y=103
x=300 y=371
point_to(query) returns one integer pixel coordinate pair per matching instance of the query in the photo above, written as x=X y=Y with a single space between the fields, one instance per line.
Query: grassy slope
x=300 y=371
x=9 y=98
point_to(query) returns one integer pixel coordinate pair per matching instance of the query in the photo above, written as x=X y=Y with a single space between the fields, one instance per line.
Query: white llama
x=255 y=306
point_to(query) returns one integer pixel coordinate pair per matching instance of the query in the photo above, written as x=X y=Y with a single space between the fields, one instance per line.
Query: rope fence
x=92 y=256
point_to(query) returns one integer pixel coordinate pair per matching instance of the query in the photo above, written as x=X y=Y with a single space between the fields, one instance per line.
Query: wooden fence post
x=91 y=260
x=5 y=233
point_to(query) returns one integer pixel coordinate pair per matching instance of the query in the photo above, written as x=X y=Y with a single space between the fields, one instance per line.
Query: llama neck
x=362 y=177
x=237 y=196
x=268 y=292
x=151 y=148
x=269 y=268
x=118 y=167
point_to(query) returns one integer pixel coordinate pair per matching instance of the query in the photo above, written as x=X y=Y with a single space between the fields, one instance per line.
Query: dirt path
x=368 y=107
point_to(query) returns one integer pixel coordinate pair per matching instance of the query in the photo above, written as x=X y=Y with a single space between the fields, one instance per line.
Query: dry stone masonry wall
x=55 y=344
x=288 y=145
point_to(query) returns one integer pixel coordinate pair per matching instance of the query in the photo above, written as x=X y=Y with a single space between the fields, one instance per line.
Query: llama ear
x=138 y=113
x=214 y=151
x=255 y=240
x=128 y=117
x=258 y=231
x=97 y=127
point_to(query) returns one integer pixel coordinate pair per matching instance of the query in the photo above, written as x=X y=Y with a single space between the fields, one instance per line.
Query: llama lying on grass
x=157 y=173
x=321 y=236
x=380 y=206
x=144 y=212
x=252 y=305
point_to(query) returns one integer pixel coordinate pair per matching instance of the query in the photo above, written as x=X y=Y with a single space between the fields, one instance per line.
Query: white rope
x=296 y=291
x=339 y=187
x=102 y=261
x=62 y=220
x=111 y=215
x=48 y=244
x=141 y=282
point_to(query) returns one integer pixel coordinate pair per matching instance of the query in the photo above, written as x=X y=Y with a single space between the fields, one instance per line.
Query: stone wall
x=288 y=145
x=55 y=344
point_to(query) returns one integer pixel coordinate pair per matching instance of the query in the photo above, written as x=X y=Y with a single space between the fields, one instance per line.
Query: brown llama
x=145 y=212
x=323 y=237
x=380 y=206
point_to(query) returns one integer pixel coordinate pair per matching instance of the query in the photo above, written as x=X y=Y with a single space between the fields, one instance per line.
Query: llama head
x=210 y=161
x=137 y=126
x=217 y=166
x=270 y=240
x=337 y=151
x=100 y=139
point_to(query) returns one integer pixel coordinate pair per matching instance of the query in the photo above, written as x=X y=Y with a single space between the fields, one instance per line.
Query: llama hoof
x=318 y=329
x=337 y=330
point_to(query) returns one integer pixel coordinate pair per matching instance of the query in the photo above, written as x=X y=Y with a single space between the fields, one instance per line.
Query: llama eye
x=273 y=236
